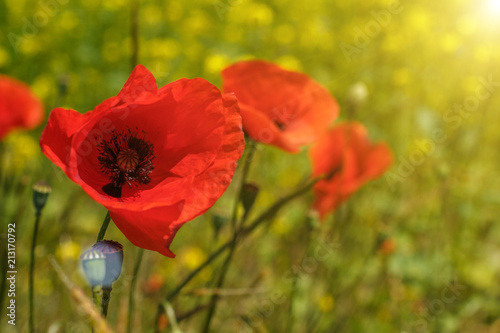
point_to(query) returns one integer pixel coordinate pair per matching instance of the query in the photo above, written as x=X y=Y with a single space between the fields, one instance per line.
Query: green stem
x=236 y=227
x=244 y=174
x=132 y=288
x=32 y=274
x=97 y=295
x=134 y=32
x=106 y=296
x=243 y=232
x=220 y=282
x=104 y=227
x=293 y=291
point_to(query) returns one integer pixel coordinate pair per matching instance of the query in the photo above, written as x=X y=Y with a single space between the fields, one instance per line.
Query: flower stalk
x=236 y=227
x=131 y=298
x=41 y=191
x=104 y=227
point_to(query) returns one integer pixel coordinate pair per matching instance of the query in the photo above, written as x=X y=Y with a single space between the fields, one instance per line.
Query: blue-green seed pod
x=113 y=251
x=94 y=266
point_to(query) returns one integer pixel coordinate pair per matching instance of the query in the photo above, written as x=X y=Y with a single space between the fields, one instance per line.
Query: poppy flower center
x=280 y=124
x=126 y=159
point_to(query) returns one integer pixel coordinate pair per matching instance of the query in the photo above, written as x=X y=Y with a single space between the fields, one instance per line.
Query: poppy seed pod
x=94 y=266
x=113 y=252
x=41 y=191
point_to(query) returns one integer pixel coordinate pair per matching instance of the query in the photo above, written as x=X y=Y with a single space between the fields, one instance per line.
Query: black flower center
x=125 y=159
x=280 y=124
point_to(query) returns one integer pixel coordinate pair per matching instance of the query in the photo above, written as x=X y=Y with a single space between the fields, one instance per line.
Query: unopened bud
x=217 y=223
x=41 y=191
x=248 y=196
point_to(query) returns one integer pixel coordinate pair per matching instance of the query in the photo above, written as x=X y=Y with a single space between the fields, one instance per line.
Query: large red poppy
x=349 y=160
x=155 y=158
x=19 y=107
x=279 y=107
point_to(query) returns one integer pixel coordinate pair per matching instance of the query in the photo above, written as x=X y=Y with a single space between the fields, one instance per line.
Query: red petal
x=58 y=134
x=19 y=107
x=346 y=150
x=155 y=228
x=152 y=229
x=212 y=183
x=270 y=95
x=262 y=129
x=140 y=87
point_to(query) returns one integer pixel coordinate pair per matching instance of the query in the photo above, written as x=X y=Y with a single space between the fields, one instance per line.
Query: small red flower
x=155 y=158
x=350 y=160
x=19 y=107
x=279 y=107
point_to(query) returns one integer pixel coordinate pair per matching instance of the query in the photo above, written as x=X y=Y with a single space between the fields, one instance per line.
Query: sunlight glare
x=493 y=6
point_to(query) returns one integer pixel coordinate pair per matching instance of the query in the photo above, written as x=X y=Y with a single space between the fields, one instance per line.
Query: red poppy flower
x=345 y=154
x=155 y=158
x=279 y=107
x=19 y=107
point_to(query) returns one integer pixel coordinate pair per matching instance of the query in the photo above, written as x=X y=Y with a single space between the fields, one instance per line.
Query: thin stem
x=32 y=274
x=106 y=297
x=170 y=313
x=244 y=174
x=220 y=282
x=104 y=227
x=293 y=291
x=236 y=227
x=243 y=232
x=97 y=295
x=192 y=312
x=212 y=257
x=291 y=318
x=132 y=288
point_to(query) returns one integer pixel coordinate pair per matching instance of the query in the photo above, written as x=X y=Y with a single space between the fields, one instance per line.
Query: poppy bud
x=113 y=252
x=41 y=191
x=248 y=196
x=63 y=84
x=217 y=222
x=94 y=266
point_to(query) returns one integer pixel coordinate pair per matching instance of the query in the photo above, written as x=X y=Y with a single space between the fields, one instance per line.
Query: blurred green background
x=417 y=250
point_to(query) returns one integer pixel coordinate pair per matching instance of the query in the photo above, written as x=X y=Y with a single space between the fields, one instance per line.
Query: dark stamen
x=280 y=124
x=126 y=159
